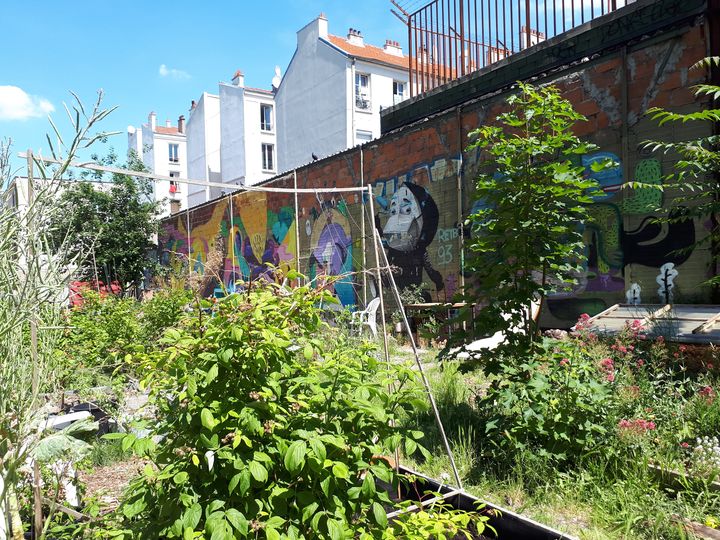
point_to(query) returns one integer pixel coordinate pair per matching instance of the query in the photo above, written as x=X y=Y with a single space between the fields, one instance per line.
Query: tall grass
x=33 y=278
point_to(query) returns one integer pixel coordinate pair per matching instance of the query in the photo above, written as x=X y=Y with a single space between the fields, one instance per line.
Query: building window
x=266 y=117
x=362 y=91
x=398 y=92
x=173 y=153
x=363 y=136
x=268 y=157
x=174 y=186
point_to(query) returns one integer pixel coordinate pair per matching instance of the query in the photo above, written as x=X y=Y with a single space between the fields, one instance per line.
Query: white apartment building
x=248 y=153
x=231 y=138
x=333 y=91
x=163 y=150
x=203 y=148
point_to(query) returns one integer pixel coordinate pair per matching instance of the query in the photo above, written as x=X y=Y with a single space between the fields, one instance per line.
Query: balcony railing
x=448 y=39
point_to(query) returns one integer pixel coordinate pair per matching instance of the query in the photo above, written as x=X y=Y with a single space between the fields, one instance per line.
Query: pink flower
x=637 y=426
x=610 y=377
x=684 y=445
x=660 y=340
x=710 y=366
x=708 y=393
x=607 y=363
x=565 y=362
x=640 y=362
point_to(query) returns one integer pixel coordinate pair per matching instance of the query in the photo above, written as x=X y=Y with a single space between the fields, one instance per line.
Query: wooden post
x=362 y=226
x=297 y=223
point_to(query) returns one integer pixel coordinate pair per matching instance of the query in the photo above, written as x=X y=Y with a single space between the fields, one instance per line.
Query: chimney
x=152 y=121
x=322 y=25
x=393 y=47
x=181 y=124
x=193 y=105
x=355 y=37
x=167 y=123
x=239 y=79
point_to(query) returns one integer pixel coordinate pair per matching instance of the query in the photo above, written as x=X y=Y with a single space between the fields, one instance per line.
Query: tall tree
x=113 y=225
x=532 y=197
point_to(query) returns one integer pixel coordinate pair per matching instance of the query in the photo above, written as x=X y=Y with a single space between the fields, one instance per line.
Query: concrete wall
x=232 y=134
x=312 y=108
x=426 y=163
x=203 y=147
x=255 y=137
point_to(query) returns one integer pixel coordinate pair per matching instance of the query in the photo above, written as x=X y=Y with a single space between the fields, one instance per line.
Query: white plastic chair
x=366 y=317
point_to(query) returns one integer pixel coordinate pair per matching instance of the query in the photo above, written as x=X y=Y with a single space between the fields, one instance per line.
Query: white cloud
x=173 y=73
x=16 y=104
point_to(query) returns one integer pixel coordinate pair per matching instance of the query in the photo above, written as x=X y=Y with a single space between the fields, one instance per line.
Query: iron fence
x=448 y=39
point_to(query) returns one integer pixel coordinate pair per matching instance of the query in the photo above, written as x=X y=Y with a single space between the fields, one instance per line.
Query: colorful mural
x=613 y=245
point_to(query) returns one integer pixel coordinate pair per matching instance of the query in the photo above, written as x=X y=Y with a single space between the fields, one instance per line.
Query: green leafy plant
x=440 y=521
x=532 y=199
x=272 y=425
x=554 y=404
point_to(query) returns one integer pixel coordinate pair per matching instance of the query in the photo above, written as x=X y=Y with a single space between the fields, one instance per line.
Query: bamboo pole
x=37 y=494
x=423 y=376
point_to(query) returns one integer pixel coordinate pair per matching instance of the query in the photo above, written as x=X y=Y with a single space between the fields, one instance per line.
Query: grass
x=593 y=501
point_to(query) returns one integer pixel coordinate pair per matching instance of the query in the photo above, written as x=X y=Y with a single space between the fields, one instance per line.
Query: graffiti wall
x=421 y=179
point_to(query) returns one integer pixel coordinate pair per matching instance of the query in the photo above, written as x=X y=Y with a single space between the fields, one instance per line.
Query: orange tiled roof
x=172 y=130
x=369 y=52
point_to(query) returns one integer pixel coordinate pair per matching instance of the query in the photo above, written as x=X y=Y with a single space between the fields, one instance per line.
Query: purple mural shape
x=332 y=249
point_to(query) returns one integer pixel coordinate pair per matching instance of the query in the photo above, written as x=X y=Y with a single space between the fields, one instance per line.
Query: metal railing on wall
x=448 y=39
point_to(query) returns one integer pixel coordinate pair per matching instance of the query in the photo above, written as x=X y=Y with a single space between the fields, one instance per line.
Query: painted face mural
x=408 y=232
x=404 y=227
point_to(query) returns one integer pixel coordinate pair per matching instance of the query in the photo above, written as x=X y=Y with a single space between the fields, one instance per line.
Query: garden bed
x=506 y=523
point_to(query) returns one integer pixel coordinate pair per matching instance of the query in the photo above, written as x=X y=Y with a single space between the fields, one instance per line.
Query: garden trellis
x=382 y=271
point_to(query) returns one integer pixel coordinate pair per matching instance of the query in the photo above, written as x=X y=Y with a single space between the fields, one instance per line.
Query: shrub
x=554 y=403
x=162 y=311
x=271 y=426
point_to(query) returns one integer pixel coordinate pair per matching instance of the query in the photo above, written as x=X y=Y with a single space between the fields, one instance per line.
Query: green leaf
x=340 y=470
x=271 y=534
x=368 y=485
x=180 y=478
x=295 y=456
x=379 y=514
x=308 y=351
x=211 y=374
x=192 y=516
x=258 y=472
x=207 y=419
x=335 y=529
x=318 y=448
x=237 y=520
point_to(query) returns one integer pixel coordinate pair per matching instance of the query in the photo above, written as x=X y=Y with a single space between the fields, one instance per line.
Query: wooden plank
x=601 y=314
x=697 y=529
x=707 y=324
x=655 y=314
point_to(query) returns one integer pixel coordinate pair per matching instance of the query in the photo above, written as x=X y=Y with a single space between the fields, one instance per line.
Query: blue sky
x=151 y=55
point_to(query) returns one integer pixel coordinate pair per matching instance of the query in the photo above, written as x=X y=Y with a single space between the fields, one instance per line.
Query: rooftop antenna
x=277 y=78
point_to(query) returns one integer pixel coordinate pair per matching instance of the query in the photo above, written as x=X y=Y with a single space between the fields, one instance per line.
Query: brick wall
x=422 y=180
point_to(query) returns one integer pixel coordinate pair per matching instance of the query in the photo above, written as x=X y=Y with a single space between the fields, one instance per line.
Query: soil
x=106 y=484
